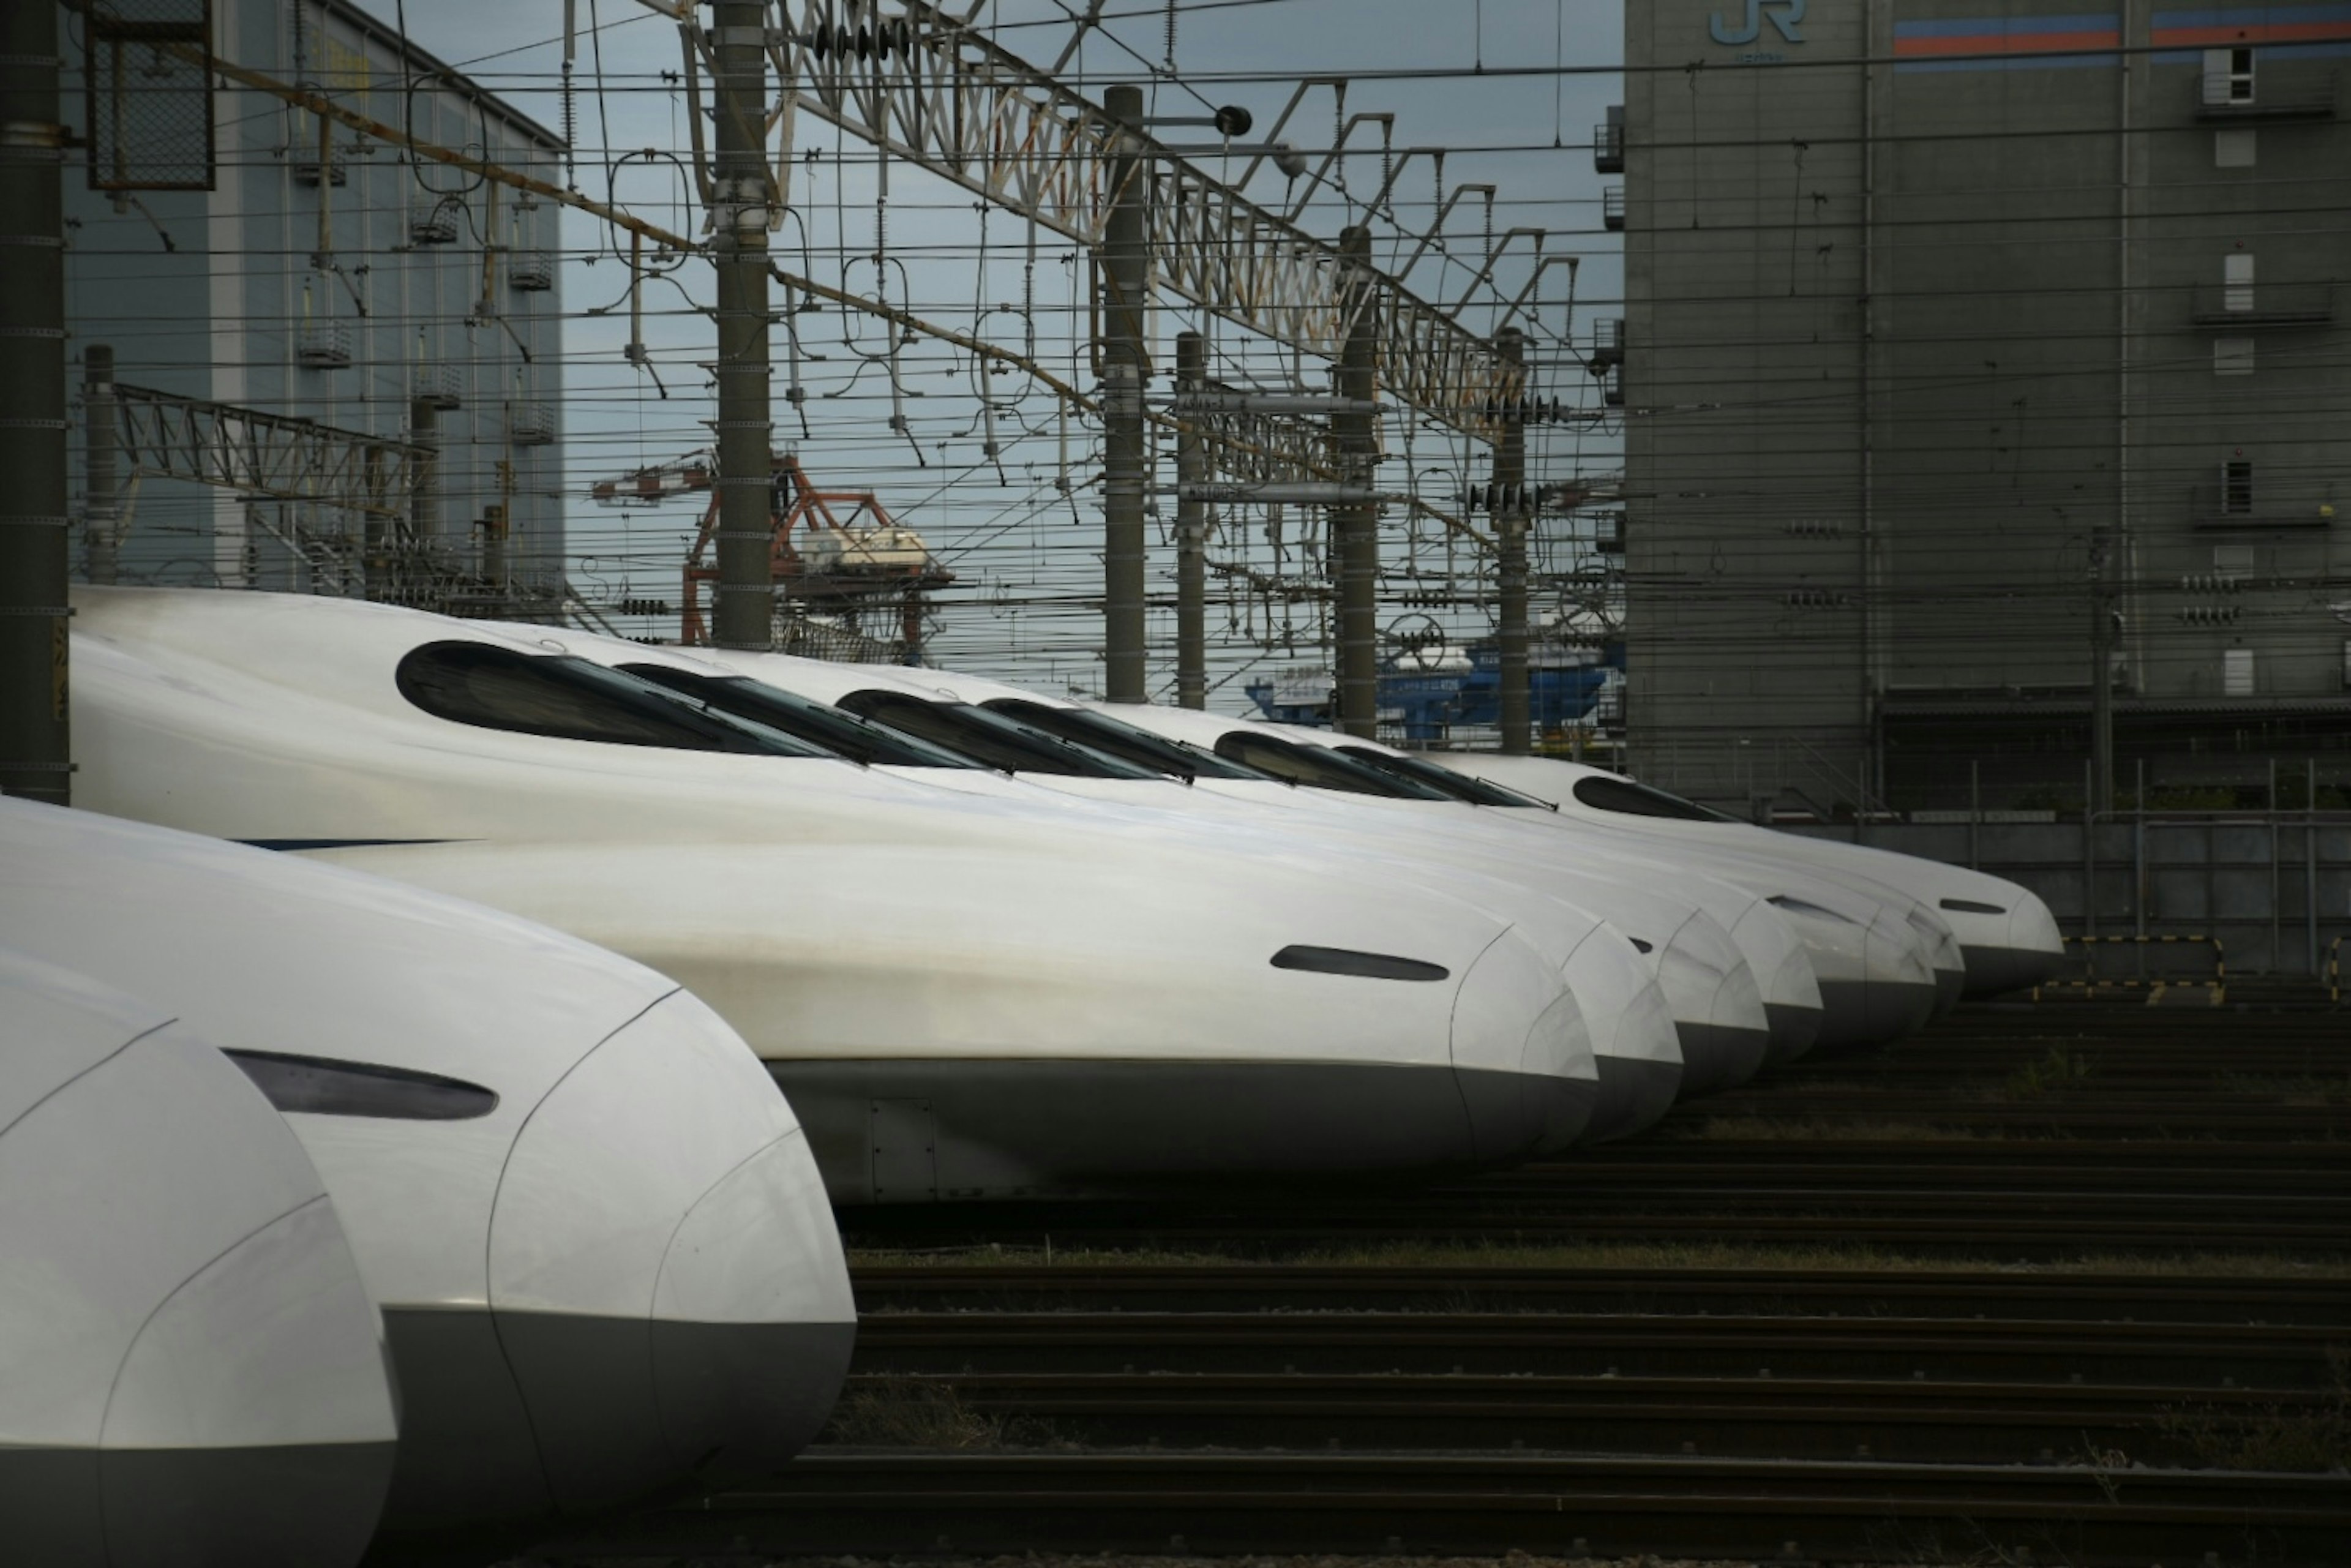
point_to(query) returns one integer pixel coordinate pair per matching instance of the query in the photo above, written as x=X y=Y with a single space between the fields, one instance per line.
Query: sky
x=1026 y=551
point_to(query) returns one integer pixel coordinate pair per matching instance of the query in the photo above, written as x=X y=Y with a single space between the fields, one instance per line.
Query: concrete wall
x=1912 y=325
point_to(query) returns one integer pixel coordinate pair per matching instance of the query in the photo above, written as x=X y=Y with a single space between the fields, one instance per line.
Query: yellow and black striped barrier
x=2215 y=988
x=2334 y=968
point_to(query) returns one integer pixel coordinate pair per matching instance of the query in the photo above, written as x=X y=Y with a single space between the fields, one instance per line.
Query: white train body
x=191 y=1368
x=1720 y=1029
x=602 y=1251
x=1885 y=961
x=963 y=996
x=2006 y=936
x=1873 y=969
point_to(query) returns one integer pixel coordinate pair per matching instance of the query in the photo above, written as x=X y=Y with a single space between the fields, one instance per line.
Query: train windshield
x=992 y=740
x=1316 y=767
x=1121 y=740
x=566 y=698
x=1606 y=793
x=844 y=734
x=1453 y=786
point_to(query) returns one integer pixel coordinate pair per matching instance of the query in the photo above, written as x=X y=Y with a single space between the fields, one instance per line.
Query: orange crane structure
x=836 y=558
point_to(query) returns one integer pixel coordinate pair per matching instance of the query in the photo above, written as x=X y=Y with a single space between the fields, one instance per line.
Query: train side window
x=1315 y=766
x=1604 y=792
x=565 y=698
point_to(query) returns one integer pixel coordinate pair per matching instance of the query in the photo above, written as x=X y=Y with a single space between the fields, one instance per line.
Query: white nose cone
x=191 y=1370
x=1635 y=1048
x=1717 y=1008
x=564 y=1179
x=664 y=1273
x=1522 y=1053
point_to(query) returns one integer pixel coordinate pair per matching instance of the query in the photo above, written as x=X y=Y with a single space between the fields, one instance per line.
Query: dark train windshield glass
x=566 y=698
x=989 y=738
x=1452 y=785
x=1121 y=739
x=837 y=731
x=1604 y=792
x=1316 y=767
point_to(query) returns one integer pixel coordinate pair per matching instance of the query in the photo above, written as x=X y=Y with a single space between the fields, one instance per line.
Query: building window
x=2237 y=282
x=2227 y=76
x=2233 y=148
x=2236 y=672
x=2234 y=562
x=2237 y=488
x=2233 y=356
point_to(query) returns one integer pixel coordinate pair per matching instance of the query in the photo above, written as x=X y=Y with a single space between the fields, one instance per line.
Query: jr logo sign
x=1784 y=15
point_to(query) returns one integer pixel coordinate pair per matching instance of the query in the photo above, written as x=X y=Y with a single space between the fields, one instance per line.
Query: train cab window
x=1605 y=792
x=991 y=739
x=566 y=698
x=804 y=718
x=1453 y=786
x=1124 y=741
x=1316 y=767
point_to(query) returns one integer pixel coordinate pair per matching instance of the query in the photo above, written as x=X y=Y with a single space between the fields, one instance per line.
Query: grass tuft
x=2273 y=1437
x=2061 y=1069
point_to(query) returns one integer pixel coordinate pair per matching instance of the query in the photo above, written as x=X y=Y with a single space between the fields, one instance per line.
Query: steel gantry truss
x=925 y=86
x=259 y=454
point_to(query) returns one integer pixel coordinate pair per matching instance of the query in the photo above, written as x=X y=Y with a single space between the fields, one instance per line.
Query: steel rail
x=1652 y=1343
x=1548 y=1505
x=1915 y=1291
x=1769 y=1415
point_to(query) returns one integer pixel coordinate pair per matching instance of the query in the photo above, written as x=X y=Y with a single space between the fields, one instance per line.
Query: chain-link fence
x=149 y=94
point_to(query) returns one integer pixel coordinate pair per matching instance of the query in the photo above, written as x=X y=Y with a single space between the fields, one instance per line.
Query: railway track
x=961 y=1288
x=2041 y=1286
x=2185 y=1358
x=1555 y=1505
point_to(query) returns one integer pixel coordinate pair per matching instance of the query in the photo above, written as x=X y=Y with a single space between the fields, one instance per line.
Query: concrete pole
x=1511 y=518
x=746 y=591
x=1191 y=534
x=35 y=757
x=1355 y=529
x=1124 y=264
x=100 y=501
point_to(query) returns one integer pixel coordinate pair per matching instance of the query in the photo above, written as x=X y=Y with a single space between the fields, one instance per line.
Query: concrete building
x=283 y=323
x=1973 y=347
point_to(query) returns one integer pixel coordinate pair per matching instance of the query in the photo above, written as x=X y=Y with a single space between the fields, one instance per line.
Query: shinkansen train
x=2008 y=938
x=963 y=996
x=1874 y=958
x=1884 y=960
x=191 y=1368
x=1085 y=750
x=602 y=1251
x=1722 y=1026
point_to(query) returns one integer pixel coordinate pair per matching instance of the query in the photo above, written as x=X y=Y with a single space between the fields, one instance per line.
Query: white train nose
x=2024 y=948
x=1948 y=964
x=1639 y=1060
x=1894 y=994
x=666 y=1279
x=1718 y=1008
x=190 y=1369
x=1792 y=991
x=1522 y=1052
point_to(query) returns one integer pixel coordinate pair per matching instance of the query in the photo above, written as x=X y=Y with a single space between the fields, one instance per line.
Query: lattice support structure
x=268 y=454
x=937 y=93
